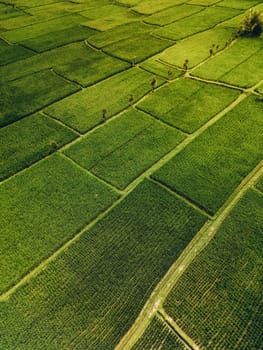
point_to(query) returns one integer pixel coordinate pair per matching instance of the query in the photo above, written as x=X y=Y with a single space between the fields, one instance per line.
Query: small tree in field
x=252 y=25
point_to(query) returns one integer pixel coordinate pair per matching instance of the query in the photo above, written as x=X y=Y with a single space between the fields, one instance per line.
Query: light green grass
x=218 y=300
x=196 y=23
x=213 y=165
x=28 y=140
x=148 y=7
x=90 y=295
x=243 y=5
x=157 y=67
x=40 y=209
x=159 y=335
x=187 y=104
x=124 y=148
x=83 y=111
x=20 y=97
x=137 y=48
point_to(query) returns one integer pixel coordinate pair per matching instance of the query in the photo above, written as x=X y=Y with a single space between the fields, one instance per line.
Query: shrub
x=252 y=25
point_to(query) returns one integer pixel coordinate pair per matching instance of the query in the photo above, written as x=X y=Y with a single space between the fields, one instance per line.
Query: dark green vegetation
x=159 y=336
x=252 y=24
x=91 y=294
x=43 y=207
x=222 y=289
x=128 y=131
x=83 y=110
x=124 y=148
x=28 y=140
x=187 y=104
x=221 y=157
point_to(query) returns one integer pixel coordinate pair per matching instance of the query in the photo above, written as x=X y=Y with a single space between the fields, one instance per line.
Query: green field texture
x=137 y=48
x=28 y=140
x=242 y=5
x=75 y=61
x=41 y=208
x=12 y=53
x=84 y=109
x=123 y=149
x=196 y=48
x=221 y=157
x=119 y=33
x=148 y=7
x=58 y=38
x=259 y=185
x=240 y=64
x=198 y=22
x=218 y=300
x=155 y=66
x=172 y=14
x=19 y=97
x=187 y=104
x=8 y=11
x=97 y=287
x=159 y=335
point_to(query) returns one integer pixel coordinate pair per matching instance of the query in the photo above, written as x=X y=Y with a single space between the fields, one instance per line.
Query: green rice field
x=131 y=175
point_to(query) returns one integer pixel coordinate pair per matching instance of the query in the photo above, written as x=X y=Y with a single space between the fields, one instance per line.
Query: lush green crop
x=187 y=104
x=197 y=22
x=148 y=7
x=20 y=97
x=41 y=208
x=159 y=335
x=12 y=53
x=214 y=164
x=28 y=140
x=157 y=67
x=243 y=5
x=218 y=300
x=84 y=110
x=91 y=294
x=124 y=148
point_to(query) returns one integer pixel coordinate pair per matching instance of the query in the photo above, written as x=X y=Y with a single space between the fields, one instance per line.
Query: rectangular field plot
x=218 y=300
x=28 y=140
x=84 y=110
x=241 y=64
x=213 y=165
x=76 y=62
x=40 y=209
x=148 y=7
x=29 y=94
x=155 y=66
x=91 y=294
x=137 y=48
x=187 y=104
x=196 y=48
x=119 y=33
x=124 y=148
x=172 y=14
x=259 y=185
x=159 y=335
x=242 y=5
x=58 y=38
x=198 y=22
x=12 y=53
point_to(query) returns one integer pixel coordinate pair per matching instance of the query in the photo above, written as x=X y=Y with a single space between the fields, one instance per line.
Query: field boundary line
x=176 y=329
x=196 y=245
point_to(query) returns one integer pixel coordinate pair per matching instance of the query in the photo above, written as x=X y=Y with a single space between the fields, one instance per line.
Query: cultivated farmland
x=131 y=175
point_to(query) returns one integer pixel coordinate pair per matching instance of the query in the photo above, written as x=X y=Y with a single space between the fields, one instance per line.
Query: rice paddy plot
x=109 y=16
x=172 y=14
x=155 y=66
x=218 y=300
x=137 y=48
x=187 y=104
x=240 y=64
x=28 y=140
x=121 y=150
x=98 y=286
x=97 y=103
x=12 y=53
x=41 y=208
x=148 y=7
x=201 y=21
x=26 y=33
x=205 y=2
x=242 y=5
x=197 y=48
x=259 y=185
x=221 y=157
x=159 y=335
x=20 y=97
x=8 y=11
x=58 y=38
x=119 y=33
x=76 y=62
